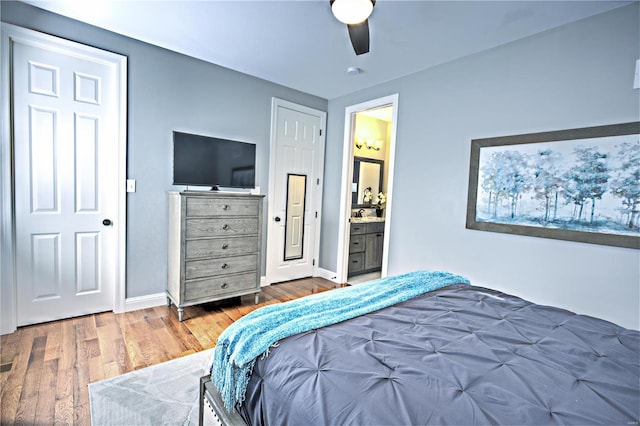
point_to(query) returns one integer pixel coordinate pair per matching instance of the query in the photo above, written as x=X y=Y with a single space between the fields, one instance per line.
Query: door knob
x=106 y=222
x=277 y=219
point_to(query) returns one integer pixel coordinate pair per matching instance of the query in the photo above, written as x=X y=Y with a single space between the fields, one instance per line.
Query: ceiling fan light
x=352 y=11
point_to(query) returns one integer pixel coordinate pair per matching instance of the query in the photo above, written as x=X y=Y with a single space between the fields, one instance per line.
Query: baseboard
x=321 y=273
x=159 y=299
x=328 y=275
x=144 y=302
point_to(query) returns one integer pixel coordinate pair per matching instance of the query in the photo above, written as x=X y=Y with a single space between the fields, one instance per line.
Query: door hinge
x=320 y=132
x=318 y=181
x=316 y=215
x=313 y=263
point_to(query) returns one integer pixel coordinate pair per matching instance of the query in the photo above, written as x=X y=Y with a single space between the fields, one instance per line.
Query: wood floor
x=45 y=368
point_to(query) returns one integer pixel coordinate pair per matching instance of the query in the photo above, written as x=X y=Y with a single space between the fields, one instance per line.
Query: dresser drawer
x=220 y=266
x=198 y=228
x=356 y=243
x=217 y=286
x=215 y=247
x=197 y=206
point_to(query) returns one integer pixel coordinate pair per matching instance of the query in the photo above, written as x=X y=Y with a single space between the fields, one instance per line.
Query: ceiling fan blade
x=359 y=35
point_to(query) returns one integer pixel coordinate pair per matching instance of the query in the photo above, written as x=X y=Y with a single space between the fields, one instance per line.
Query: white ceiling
x=299 y=44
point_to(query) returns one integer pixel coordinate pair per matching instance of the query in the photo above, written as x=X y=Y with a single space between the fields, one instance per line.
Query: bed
x=458 y=354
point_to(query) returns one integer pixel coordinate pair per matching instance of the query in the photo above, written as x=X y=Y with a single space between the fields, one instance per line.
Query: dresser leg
x=180 y=314
x=257 y=296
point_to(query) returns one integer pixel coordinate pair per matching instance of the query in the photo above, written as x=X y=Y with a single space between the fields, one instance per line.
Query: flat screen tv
x=208 y=161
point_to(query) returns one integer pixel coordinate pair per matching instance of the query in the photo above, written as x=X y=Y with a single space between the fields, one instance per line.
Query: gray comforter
x=460 y=355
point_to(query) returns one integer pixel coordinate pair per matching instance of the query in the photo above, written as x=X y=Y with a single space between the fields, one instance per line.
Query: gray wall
x=578 y=75
x=169 y=91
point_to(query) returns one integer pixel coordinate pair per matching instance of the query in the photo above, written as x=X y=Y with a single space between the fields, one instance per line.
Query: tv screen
x=208 y=161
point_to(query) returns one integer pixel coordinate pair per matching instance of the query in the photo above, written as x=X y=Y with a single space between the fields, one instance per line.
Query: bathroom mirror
x=367 y=173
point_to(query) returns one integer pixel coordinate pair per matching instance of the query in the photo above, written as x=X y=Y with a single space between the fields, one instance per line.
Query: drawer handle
x=356 y=229
x=354 y=261
x=226 y=207
x=224 y=285
x=225 y=227
x=225 y=246
x=225 y=266
x=356 y=243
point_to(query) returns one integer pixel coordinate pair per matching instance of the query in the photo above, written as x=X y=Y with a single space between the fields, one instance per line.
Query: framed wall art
x=578 y=185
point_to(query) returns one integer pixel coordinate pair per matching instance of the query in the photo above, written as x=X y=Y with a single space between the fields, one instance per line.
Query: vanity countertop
x=367 y=219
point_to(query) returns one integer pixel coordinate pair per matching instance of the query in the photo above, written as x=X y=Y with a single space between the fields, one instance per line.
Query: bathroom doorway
x=367 y=190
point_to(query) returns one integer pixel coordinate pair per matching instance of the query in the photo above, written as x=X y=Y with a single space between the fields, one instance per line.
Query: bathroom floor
x=359 y=279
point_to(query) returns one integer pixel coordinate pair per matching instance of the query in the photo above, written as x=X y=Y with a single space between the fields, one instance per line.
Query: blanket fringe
x=268 y=351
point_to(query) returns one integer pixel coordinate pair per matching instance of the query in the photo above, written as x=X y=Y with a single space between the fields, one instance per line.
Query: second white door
x=297 y=155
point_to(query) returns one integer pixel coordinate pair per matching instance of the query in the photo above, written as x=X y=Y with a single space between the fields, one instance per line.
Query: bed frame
x=218 y=415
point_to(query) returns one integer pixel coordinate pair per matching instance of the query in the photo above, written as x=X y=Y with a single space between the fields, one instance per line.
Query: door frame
x=275 y=104
x=342 y=262
x=8 y=283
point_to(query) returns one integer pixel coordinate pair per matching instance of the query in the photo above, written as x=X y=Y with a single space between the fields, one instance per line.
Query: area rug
x=163 y=394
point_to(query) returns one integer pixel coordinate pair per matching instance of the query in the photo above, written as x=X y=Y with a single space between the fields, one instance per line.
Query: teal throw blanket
x=252 y=335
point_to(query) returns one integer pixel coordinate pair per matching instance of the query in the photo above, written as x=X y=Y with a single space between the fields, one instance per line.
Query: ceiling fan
x=355 y=13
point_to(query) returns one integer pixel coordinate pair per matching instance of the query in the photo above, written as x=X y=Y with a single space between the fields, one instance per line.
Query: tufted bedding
x=458 y=355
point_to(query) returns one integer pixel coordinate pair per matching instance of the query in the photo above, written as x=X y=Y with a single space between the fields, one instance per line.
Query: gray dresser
x=215 y=242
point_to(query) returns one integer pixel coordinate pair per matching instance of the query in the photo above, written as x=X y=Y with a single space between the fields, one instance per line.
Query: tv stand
x=215 y=246
x=217 y=189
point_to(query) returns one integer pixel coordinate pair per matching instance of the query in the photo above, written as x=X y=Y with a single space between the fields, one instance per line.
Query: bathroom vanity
x=365 y=245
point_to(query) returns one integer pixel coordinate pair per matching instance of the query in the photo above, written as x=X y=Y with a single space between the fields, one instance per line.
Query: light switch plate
x=131 y=185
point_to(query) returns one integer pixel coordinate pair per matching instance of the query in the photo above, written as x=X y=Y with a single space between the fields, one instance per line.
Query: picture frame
x=579 y=185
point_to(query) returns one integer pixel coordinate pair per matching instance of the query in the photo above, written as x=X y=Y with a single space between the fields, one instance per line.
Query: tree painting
x=590 y=184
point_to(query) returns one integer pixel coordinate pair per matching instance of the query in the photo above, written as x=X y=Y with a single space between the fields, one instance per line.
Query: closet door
x=66 y=121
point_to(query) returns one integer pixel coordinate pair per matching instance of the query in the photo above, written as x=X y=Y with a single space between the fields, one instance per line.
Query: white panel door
x=297 y=150
x=66 y=182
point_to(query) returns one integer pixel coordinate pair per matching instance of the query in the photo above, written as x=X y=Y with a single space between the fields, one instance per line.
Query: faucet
x=359 y=213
